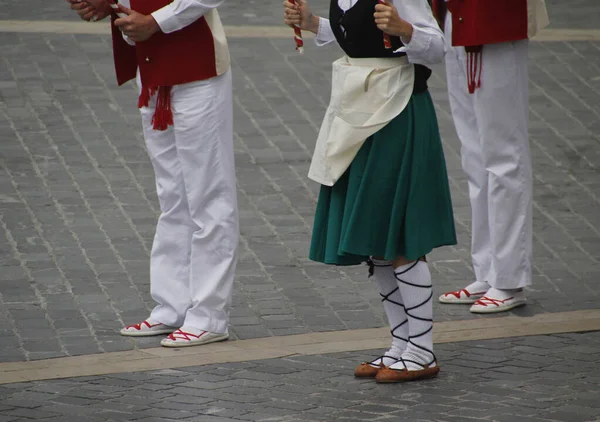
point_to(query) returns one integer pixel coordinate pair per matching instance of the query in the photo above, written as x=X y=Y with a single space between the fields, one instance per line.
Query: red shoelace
x=485 y=301
x=182 y=335
x=139 y=326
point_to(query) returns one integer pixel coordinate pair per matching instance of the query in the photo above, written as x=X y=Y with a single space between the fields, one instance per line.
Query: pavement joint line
x=292 y=345
x=247 y=31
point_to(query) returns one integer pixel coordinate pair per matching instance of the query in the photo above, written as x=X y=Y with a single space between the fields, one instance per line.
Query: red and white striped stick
x=298 y=36
x=386 y=37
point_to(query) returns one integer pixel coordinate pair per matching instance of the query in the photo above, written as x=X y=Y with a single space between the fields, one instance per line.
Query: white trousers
x=492 y=125
x=193 y=258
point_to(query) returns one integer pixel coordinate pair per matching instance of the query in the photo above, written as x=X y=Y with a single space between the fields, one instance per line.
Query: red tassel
x=474 y=67
x=144 y=98
x=163 y=116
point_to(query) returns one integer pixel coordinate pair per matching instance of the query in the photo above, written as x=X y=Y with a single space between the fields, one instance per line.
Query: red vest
x=164 y=60
x=479 y=22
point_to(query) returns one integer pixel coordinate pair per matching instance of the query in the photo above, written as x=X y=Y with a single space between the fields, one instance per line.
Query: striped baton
x=298 y=36
x=386 y=38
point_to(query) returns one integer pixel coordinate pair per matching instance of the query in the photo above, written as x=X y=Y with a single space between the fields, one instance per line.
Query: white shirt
x=180 y=13
x=427 y=45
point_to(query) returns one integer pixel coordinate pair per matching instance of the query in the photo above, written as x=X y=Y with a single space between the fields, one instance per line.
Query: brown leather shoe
x=366 y=370
x=370 y=369
x=389 y=375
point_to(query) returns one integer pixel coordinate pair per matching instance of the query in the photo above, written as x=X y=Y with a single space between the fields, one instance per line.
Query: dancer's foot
x=497 y=300
x=370 y=369
x=187 y=336
x=146 y=328
x=468 y=295
x=401 y=372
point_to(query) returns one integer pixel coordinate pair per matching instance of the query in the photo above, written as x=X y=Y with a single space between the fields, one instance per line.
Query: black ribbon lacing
x=386 y=298
x=408 y=312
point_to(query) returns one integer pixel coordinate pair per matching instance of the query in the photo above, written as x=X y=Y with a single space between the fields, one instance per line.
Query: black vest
x=357 y=34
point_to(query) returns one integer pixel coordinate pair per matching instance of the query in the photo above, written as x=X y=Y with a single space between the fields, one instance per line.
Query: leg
x=465 y=121
x=394 y=309
x=418 y=360
x=202 y=113
x=502 y=111
x=169 y=260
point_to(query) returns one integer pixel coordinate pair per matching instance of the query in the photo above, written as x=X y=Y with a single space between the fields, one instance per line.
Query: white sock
x=477 y=287
x=152 y=321
x=414 y=281
x=394 y=309
x=503 y=294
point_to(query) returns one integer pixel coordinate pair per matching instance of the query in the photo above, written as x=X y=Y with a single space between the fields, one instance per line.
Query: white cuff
x=325 y=33
x=418 y=45
x=167 y=20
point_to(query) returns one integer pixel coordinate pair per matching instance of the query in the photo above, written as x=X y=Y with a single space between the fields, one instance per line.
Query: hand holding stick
x=387 y=43
x=298 y=36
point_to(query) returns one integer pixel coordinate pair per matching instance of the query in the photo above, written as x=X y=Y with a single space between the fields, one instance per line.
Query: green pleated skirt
x=394 y=199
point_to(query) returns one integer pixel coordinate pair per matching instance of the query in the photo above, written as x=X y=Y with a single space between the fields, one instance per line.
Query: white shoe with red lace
x=147 y=328
x=496 y=300
x=185 y=337
x=468 y=295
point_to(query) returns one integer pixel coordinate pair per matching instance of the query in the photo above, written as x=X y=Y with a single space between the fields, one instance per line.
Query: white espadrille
x=147 y=328
x=496 y=300
x=468 y=295
x=183 y=338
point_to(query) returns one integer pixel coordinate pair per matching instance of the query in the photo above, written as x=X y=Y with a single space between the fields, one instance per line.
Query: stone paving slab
x=546 y=378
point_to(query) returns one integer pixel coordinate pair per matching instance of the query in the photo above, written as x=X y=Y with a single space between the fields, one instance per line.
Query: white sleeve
x=427 y=45
x=181 y=13
x=325 y=33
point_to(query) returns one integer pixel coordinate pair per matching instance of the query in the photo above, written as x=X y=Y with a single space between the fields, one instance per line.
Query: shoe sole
x=459 y=301
x=191 y=343
x=147 y=333
x=425 y=376
x=496 y=309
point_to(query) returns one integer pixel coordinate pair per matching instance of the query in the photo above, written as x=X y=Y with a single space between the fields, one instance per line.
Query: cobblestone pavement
x=535 y=379
x=77 y=215
x=78 y=207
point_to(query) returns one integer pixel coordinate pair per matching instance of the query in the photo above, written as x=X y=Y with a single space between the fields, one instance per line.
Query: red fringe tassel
x=474 y=67
x=163 y=114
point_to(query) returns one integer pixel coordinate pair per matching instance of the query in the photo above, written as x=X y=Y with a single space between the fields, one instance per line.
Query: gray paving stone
x=29 y=413
x=78 y=207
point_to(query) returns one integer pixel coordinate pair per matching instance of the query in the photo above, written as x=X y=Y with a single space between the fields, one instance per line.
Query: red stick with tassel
x=298 y=36
x=387 y=43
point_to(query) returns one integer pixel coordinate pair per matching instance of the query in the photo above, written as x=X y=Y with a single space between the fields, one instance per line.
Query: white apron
x=366 y=94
